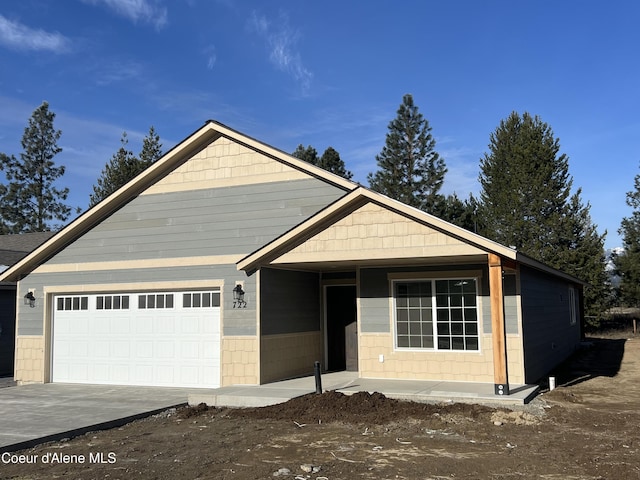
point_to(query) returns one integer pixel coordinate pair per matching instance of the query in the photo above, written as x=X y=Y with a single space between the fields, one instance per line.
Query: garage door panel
x=166 y=345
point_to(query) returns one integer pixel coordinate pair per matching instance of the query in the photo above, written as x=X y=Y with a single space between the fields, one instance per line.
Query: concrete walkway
x=349 y=383
x=34 y=414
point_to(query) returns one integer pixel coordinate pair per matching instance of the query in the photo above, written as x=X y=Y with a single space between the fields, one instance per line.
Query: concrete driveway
x=33 y=414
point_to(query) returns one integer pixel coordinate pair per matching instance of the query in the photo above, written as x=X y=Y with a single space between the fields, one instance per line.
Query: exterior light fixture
x=30 y=299
x=238 y=297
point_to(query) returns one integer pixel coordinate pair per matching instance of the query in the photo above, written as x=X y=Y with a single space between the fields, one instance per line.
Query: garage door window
x=201 y=299
x=112 y=302
x=72 y=303
x=155 y=300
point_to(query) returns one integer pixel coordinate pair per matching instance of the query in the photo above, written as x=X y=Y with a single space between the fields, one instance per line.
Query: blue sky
x=330 y=73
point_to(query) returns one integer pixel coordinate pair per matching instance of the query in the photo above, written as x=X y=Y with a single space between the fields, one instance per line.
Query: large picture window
x=437 y=314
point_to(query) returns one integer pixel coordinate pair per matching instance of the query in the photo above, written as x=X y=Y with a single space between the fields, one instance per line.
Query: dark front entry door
x=342 y=330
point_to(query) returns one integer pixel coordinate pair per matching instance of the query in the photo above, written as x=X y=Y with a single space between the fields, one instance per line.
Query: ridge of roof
x=355 y=197
x=173 y=158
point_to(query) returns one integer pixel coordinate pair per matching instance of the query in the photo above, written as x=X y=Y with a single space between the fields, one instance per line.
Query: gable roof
x=171 y=160
x=15 y=247
x=361 y=196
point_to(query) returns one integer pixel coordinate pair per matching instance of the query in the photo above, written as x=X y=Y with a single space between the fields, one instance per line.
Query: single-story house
x=231 y=262
x=12 y=249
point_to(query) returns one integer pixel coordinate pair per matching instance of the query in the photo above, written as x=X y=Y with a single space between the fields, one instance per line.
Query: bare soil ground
x=587 y=428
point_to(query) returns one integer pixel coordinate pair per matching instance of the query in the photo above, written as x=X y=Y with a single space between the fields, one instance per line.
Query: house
x=12 y=249
x=231 y=262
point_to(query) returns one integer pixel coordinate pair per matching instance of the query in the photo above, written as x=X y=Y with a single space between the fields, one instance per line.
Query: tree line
x=526 y=200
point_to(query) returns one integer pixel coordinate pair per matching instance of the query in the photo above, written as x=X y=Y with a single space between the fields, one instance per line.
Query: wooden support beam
x=498 y=333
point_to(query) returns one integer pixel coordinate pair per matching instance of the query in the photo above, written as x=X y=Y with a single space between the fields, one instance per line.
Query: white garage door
x=156 y=339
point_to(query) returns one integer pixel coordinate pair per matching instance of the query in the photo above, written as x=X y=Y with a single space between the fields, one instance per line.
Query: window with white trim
x=72 y=303
x=200 y=299
x=437 y=314
x=112 y=302
x=155 y=300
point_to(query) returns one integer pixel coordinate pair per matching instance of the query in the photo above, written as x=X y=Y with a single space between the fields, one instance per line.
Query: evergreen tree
x=329 y=161
x=29 y=201
x=628 y=261
x=332 y=162
x=526 y=202
x=525 y=185
x=409 y=168
x=151 y=149
x=124 y=165
x=458 y=212
x=309 y=154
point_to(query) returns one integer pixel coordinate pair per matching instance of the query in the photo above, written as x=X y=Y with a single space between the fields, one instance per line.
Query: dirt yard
x=588 y=428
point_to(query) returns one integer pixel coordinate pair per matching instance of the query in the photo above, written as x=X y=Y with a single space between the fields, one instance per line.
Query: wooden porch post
x=500 y=378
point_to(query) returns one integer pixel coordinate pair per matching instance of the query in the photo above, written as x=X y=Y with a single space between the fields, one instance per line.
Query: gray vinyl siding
x=374 y=300
x=236 y=321
x=289 y=301
x=509 y=290
x=375 y=293
x=548 y=336
x=217 y=221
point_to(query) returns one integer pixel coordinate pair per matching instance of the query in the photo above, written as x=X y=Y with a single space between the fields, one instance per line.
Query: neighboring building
x=230 y=262
x=12 y=249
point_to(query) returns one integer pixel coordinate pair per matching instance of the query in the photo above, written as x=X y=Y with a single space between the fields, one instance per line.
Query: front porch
x=350 y=383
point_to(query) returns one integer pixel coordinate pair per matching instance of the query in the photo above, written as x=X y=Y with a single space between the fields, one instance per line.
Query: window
x=201 y=299
x=573 y=311
x=437 y=314
x=72 y=303
x=112 y=302
x=155 y=300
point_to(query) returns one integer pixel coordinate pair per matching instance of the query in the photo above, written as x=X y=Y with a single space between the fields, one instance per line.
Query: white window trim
x=462 y=275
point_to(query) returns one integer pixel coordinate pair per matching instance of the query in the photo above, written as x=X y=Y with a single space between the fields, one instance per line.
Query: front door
x=342 y=329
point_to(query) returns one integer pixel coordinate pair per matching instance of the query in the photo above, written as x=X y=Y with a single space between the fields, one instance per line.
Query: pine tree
x=525 y=185
x=309 y=154
x=151 y=149
x=409 y=168
x=526 y=202
x=124 y=165
x=331 y=161
x=30 y=200
x=628 y=262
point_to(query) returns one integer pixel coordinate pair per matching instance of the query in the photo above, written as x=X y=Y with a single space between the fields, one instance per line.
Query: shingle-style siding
x=289 y=302
x=215 y=221
x=548 y=336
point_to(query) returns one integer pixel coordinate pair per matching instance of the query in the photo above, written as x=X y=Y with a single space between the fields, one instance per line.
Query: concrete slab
x=349 y=383
x=34 y=414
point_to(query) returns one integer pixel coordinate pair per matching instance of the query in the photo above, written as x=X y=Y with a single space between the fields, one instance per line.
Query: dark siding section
x=548 y=336
x=289 y=301
x=7 y=329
